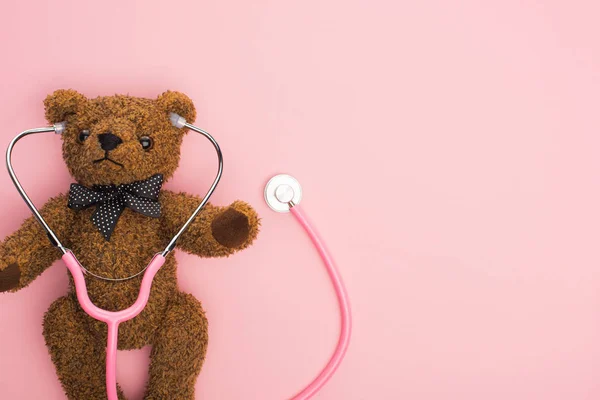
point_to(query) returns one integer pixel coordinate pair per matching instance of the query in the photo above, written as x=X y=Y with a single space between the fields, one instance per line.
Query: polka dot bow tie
x=111 y=200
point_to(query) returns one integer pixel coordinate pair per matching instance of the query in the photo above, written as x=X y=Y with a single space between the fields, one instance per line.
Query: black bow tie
x=111 y=200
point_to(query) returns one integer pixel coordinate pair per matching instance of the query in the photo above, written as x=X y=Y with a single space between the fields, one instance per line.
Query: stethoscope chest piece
x=281 y=190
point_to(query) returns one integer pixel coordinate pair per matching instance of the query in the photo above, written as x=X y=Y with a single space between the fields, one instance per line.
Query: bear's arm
x=25 y=254
x=216 y=231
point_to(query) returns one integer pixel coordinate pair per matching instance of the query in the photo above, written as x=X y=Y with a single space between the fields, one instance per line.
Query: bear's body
x=172 y=322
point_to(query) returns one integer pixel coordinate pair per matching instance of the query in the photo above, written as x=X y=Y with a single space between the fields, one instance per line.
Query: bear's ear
x=63 y=103
x=178 y=103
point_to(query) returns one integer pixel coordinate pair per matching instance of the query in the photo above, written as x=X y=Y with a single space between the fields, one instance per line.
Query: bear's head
x=119 y=139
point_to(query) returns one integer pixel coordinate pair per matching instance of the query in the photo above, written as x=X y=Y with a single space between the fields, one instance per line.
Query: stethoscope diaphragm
x=281 y=192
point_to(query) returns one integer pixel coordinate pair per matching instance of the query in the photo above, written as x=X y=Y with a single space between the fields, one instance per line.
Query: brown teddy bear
x=117 y=148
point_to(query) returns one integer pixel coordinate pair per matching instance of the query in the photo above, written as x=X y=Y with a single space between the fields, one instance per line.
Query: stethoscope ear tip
x=281 y=192
x=177 y=120
x=59 y=127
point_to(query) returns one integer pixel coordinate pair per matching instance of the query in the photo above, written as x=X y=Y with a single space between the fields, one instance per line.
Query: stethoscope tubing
x=112 y=318
x=343 y=302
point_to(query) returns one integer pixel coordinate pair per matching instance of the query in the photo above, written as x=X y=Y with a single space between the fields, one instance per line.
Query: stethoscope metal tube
x=178 y=121
x=58 y=128
x=173 y=241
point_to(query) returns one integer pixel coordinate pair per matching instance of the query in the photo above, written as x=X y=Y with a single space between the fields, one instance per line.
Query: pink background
x=449 y=156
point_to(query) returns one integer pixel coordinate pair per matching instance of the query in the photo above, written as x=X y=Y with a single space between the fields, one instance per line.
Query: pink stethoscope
x=282 y=194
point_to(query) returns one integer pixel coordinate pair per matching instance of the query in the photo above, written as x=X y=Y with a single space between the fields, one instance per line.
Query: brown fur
x=173 y=322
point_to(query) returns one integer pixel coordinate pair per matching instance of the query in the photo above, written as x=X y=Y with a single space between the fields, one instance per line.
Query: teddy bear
x=120 y=149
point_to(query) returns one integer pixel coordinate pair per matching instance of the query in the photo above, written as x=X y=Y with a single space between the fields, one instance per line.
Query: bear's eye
x=83 y=135
x=146 y=142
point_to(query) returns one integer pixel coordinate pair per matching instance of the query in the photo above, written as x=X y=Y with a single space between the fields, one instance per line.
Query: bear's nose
x=108 y=141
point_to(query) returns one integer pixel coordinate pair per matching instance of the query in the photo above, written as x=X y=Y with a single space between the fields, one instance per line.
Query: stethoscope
x=282 y=194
